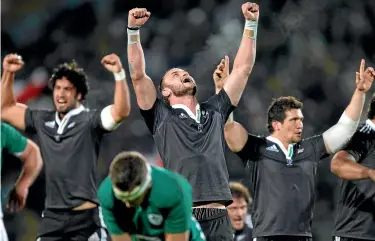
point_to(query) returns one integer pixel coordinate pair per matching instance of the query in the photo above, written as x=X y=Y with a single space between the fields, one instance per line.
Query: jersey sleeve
x=33 y=120
x=221 y=103
x=96 y=120
x=107 y=199
x=13 y=140
x=156 y=115
x=358 y=145
x=251 y=149
x=178 y=220
x=317 y=143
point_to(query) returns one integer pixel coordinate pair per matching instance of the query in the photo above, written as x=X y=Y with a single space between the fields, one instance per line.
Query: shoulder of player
x=5 y=127
x=366 y=130
x=168 y=184
x=42 y=113
x=105 y=193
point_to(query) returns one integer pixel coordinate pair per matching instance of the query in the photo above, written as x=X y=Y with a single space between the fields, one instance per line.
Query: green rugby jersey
x=166 y=209
x=12 y=140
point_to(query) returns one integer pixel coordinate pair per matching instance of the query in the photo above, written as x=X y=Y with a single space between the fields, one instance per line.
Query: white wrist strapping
x=133 y=36
x=251 y=28
x=339 y=135
x=120 y=75
x=230 y=118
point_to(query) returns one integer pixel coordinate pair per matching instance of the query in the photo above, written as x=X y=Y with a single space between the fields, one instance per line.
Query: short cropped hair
x=238 y=190
x=128 y=170
x=371 y=109
x=278 y=107
x=74 y=74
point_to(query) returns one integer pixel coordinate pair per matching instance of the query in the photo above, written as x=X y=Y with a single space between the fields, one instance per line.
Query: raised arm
x=235 y=134
x=143 y=86
x=339 y=134
x=245 y=58
x=11 y=112
x=120 y=109
x=345 y=166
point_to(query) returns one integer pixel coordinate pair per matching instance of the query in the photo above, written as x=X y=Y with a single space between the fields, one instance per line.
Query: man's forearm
x=245 y=57
x=355 y=107
x=137 y=66
x=348 y=169
x=32 y=166
x=7 y=95
x=121 y=102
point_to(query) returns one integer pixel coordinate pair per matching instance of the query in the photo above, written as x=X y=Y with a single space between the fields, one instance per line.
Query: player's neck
x=188 y=101
x=283 y=142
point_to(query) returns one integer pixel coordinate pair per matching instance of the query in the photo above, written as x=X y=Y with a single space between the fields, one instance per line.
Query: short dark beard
x=185 y=91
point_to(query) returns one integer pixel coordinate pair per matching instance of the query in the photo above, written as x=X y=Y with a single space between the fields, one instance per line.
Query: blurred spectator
x=239 y=212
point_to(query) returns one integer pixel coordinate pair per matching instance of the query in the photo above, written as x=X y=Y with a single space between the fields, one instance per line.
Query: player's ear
x=166 y=92
x=276 y=125
x=79 y=96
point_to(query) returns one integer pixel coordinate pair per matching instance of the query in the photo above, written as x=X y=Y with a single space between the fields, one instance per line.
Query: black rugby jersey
x=283 y=183
x=69 y=148
x=355 y=210
x=195 y=150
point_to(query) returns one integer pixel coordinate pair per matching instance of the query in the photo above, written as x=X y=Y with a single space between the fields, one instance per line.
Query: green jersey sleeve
x=178 y=220
x=12 y=139
x=107 y=199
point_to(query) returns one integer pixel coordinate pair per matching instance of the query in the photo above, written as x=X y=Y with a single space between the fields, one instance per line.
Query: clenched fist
x=221 y=73
x=137 y=17
x=13 y=63
x=250 y=11
x=112 y=63
x=364 y=78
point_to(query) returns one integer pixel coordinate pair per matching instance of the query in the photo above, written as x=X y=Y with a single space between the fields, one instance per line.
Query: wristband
x=133 y=35
x=250 y=30
x=120 y=75
x=134 y=28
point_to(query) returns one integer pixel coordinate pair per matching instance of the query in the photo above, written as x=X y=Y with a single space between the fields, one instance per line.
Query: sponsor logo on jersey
x=50 y=124
x=155 y=219
x=272 y=148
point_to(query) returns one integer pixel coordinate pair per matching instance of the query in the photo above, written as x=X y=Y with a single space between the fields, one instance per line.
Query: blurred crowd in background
x=310 y=49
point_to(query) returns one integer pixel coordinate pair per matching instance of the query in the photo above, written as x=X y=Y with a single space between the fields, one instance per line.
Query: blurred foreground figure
x=190 y=135
x=29 y=153
x=69 y=139
x=144 y=202
x=355 y=210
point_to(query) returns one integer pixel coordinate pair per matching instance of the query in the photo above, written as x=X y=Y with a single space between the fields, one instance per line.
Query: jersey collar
x=195 y=117
x=62 y=123
x=288 y=153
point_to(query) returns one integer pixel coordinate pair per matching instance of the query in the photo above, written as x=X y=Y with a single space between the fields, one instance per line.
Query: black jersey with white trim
x=194 y=148
x=69 y=148
x=355 y=210
x=283 y=187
